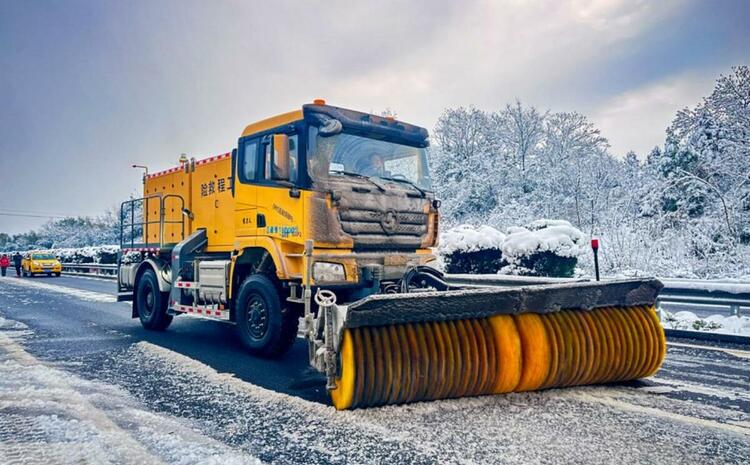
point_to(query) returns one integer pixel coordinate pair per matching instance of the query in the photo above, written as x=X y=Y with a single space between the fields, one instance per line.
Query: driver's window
x=293 y=159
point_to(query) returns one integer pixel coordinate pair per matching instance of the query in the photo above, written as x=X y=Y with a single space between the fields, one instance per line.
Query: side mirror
x=280 y=157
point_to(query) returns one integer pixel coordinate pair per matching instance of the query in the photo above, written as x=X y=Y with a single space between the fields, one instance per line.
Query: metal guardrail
x=733 y=296
x=101 y=270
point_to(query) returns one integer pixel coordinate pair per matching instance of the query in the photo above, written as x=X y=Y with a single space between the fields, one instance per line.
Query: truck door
x=279 y=201
x=246 y=189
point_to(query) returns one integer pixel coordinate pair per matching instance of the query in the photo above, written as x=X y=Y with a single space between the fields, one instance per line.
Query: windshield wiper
x=380 y=187
x=411 y=183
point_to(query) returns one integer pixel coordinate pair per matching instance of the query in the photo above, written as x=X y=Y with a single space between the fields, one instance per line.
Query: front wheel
x=265 y=327
x=151 y=304
x=57 y=274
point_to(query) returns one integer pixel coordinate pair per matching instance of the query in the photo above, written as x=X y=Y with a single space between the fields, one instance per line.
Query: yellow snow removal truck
x=320 y=224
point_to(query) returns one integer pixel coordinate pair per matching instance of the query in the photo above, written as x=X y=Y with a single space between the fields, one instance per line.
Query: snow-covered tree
x=683 y=211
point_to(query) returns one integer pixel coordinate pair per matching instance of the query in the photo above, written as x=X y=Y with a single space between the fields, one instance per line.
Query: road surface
x=82 y=382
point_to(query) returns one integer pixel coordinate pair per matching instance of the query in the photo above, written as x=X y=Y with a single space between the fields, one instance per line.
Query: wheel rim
x=257 y=317
x=148 y=302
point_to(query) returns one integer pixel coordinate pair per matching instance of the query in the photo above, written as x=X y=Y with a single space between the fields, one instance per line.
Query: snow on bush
x=543 y=248
x=96 y=254
x=466 y=249
x=103 y=254
x=555 y=236
x=715 y=323
x=467 y=238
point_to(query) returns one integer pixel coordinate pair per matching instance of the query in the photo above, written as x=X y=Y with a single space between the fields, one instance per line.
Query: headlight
x=36 y=264
x=328 y=272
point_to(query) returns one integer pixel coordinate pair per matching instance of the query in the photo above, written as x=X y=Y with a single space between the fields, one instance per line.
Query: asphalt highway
x=695 y=410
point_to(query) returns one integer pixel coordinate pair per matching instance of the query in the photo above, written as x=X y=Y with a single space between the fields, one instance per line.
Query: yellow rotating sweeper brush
x=489 y=341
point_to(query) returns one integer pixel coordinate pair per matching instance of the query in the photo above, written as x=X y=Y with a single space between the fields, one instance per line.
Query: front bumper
x=360 y=267
x=41 y=269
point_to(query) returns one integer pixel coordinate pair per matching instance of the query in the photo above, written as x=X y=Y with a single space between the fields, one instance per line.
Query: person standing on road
x=17 y=257
x=4 y=264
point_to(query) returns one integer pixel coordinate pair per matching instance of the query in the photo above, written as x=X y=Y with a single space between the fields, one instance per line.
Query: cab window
x=293 y=159
x=249 y=158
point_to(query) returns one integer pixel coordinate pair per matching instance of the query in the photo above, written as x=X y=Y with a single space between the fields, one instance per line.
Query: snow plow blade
x=399 y=348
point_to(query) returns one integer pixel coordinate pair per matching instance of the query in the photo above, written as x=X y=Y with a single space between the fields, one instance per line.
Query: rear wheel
x=151 y=303
x=265 y=326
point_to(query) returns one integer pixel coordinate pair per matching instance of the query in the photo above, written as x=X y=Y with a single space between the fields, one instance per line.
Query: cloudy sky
x=88 y=88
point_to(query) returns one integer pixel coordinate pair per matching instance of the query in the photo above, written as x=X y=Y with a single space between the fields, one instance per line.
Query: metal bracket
x=326 y=300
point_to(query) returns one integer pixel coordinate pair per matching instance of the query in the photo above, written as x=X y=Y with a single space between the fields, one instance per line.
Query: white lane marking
x=736 y=352
x=90 y=296
x=655 y=412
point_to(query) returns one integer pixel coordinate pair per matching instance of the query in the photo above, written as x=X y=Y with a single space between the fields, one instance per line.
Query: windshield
x=43 y=256
x=344 y=154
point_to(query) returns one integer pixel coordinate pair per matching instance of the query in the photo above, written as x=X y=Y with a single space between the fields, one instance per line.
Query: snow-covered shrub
x=466 y=249
x=104 y=254
x=543 y=248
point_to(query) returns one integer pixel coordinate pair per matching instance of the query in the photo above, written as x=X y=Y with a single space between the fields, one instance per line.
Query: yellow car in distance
x=40 y=263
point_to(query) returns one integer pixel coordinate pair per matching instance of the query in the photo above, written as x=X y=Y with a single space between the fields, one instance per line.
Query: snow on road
x=48 y=415
x=161 y=405
x=580 y=425
x=89 y=296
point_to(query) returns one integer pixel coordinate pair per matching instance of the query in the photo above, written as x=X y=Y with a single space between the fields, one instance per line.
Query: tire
x=151 y=304
x=58 y=274
x=265 y=327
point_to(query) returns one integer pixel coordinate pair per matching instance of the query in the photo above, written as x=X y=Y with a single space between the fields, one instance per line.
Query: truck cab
x=353 y=183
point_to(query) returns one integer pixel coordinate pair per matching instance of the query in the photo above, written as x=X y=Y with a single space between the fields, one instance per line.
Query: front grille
x=384 y=224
